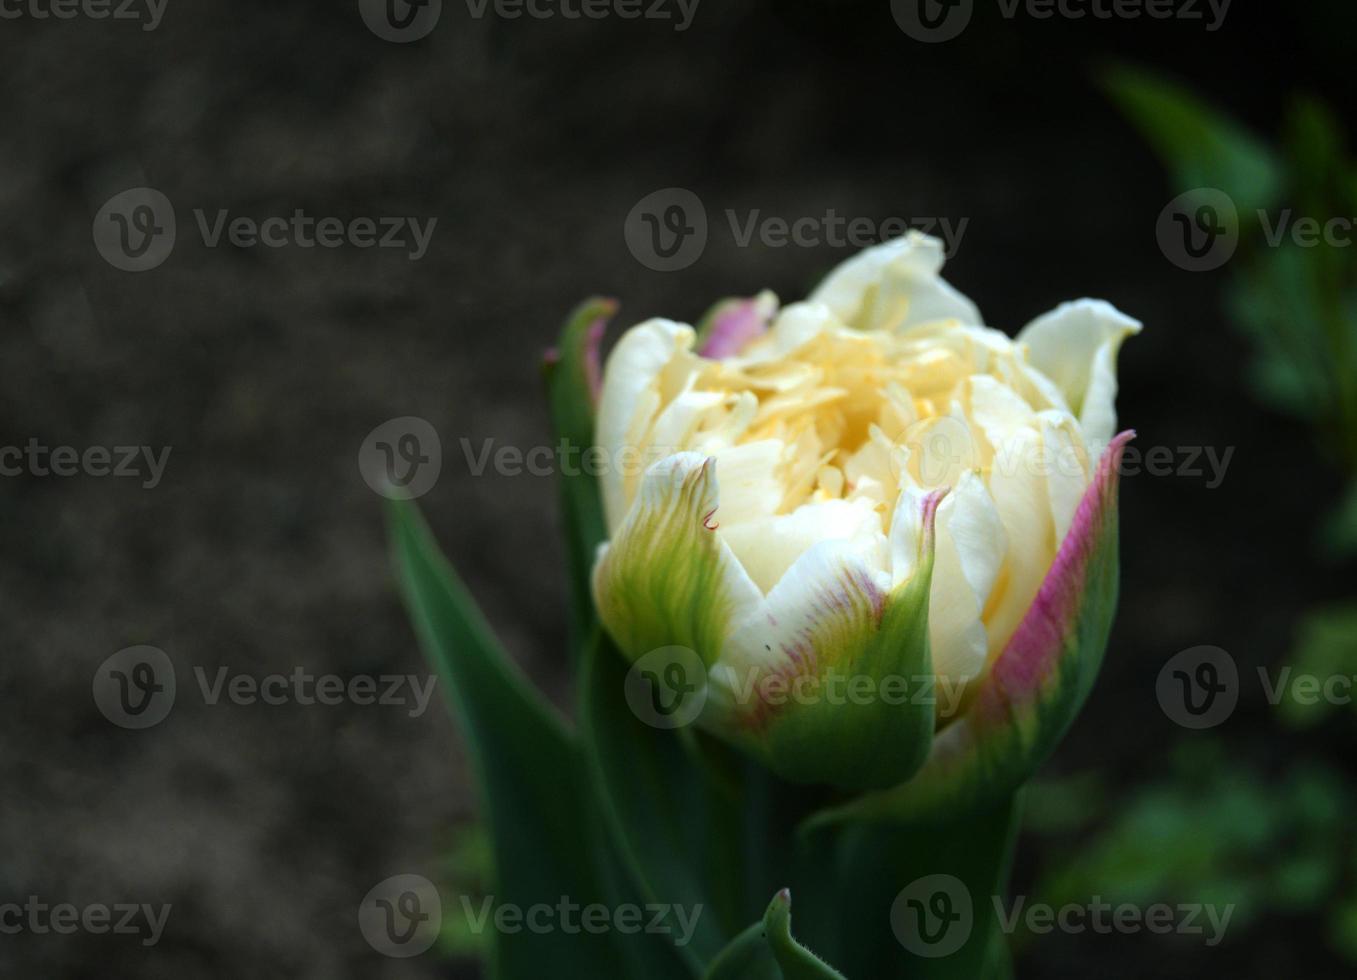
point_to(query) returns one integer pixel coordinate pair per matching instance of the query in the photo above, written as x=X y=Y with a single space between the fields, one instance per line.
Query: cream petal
x=768 y=548
x=894 y=285
x=820 y=613
x=970 y=550
x=630 y=400
x=1075 y=345
x=1019 y=492
x=1067 y=469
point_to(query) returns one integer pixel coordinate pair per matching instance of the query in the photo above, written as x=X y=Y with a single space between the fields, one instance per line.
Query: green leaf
x=767 y=951
x=1326 y=647
x=528 y=768
x=1339 y=534
x=1201 y=145
x=748 y=957
x=571 y=376
x=797 y=962
x=677 y=829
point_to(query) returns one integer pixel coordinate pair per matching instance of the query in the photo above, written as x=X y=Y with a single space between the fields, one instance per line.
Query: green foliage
x=1212 y=830
x=1293 y=297
x=1201 y=146
x=1326 y=647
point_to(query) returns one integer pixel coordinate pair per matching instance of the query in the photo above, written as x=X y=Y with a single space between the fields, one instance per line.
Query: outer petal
x=1075 y=345
x=666 y=578
x=894 y=285
x=790 y=686
x=630 y=399
x=970 y=551
x=1036 y=687
x=731 y=325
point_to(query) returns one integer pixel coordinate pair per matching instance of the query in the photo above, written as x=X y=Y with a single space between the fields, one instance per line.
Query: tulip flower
x=869 y=487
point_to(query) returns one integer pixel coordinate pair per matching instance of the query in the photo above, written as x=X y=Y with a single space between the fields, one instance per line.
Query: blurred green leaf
x=679 y=833
x=531 y=777
x=1201 y=145
x=1325 y=648
x=1212 y=830
x=1342 y=921
x=1338 y=536
x=571 y=375
x=1063 y=804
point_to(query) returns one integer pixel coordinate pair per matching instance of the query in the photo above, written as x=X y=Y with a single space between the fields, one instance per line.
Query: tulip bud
x=867 y=485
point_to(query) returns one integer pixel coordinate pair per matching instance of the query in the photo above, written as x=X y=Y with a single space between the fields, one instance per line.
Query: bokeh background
x=529 y=140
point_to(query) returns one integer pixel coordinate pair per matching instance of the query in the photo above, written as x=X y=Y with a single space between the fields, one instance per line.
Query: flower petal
x=666 y=578
x=630 y=399
x=1075 y=345
x=732 y=324
x=1035 y=689
x=792 y=683
x=893 y=286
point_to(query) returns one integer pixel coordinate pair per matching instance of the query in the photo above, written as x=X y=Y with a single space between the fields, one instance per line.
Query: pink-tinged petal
x=1034 y=690
x=593 y=365
x=780 y=689
x=734 y=324
x=579 y=347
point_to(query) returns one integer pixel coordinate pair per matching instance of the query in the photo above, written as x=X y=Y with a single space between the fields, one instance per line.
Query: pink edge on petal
x=593 y=342
x=1034 y=650
x=930 y=514
x=734 y=327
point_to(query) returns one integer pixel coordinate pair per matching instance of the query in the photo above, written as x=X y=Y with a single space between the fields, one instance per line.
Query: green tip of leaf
x=795 y=961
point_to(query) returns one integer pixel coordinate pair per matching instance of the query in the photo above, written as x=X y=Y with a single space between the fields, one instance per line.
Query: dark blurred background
x=530 y=140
